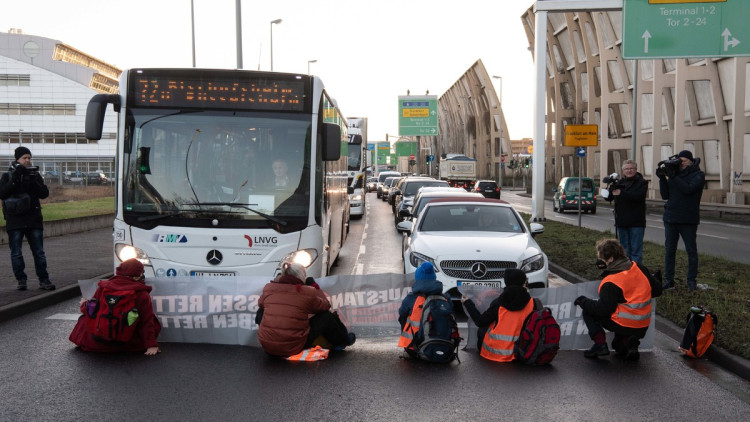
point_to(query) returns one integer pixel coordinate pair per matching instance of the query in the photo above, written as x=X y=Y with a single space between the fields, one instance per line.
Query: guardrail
x=69 y=225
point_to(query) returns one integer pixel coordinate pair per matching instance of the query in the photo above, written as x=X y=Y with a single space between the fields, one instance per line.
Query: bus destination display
x=257 y=93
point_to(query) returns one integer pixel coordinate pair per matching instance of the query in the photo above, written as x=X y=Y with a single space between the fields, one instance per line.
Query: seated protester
x=410 y=311
x=120 y=316
x=501 y=324
x=624 y=304
x=285 y=326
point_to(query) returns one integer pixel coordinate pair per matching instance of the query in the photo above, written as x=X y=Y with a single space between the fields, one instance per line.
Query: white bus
x=356 y=172
x=226 y=172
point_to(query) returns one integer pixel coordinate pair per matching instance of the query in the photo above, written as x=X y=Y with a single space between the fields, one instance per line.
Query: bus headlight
x=125 y=252
x=304 y=257
x=535 y=263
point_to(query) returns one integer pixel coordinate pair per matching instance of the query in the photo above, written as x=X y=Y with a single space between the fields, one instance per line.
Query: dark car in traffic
x=488 y=188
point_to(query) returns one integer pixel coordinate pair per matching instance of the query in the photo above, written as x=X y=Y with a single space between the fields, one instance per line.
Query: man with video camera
x=20 y=189
x=681 y=184
x=629 y=193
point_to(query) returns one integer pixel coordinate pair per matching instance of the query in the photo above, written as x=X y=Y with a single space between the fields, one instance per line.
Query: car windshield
x=470 y=218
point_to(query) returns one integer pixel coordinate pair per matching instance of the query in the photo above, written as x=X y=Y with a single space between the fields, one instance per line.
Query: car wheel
x=593 y=211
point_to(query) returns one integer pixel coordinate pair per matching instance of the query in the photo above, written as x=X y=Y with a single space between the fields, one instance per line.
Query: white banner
x=221 y=310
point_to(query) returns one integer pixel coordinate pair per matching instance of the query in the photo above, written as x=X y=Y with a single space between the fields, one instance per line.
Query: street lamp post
x=308 y=65
x=277 y=21
x=500 y=148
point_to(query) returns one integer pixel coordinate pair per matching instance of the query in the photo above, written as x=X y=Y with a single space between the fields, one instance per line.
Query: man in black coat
x=20 y=190
x=629 y=194
x=682 y=191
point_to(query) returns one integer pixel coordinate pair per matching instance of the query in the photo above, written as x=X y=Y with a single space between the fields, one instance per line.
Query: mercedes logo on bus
x=478 y=270
x=214 y=257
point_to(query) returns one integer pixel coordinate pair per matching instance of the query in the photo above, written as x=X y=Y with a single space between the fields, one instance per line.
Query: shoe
x=598 y=349
x=46 y=286
x=21 y=285
x=632 y=354
x=691 y=286
x=669 y=285
x=352 y=339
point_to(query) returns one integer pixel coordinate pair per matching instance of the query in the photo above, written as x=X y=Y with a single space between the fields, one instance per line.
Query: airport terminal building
x=45 y=87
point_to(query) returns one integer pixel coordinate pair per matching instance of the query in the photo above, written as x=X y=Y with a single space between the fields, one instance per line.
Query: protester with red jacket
x=128 y=277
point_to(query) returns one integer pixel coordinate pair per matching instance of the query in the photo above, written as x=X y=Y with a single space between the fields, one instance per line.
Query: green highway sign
x=417 y=115
x=654 y=29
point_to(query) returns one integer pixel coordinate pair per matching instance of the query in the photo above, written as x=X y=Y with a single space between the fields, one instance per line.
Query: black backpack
x=437 y=339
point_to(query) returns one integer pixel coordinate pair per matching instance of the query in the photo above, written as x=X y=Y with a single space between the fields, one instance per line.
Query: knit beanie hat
x=514 y=277
x=425 y=272
x=21 y=151
x=130 y=268
x=684 y=153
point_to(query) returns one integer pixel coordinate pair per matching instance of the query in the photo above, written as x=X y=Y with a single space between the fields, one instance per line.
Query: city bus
x=226 y=172
x=356 y=163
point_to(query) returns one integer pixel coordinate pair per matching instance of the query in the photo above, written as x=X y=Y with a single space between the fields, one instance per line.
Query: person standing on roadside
x=21 y=188
x=682 y=191
x=629 y=194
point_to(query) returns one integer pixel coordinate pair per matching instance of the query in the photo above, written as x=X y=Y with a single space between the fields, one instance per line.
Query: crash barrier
x=221 y=310
x=69 y=225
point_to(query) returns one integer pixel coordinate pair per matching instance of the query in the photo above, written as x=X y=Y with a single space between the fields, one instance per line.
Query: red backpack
x=539 y=340
x=113 y=315
x=699 y=332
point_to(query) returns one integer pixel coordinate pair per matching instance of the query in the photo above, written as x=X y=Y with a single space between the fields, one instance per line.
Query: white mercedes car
x=473 y=240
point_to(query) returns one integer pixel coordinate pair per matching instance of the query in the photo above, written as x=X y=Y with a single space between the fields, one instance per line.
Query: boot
x=21 y=285
x=598 y=349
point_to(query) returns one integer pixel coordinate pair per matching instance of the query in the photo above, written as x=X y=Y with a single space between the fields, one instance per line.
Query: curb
x=728 y=361
x=38 y=302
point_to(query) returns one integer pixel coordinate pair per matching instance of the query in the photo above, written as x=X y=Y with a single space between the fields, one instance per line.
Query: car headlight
x=416 y=259
x=304 y=257
x=125 y=252
x=356 y=198
x=535 y=263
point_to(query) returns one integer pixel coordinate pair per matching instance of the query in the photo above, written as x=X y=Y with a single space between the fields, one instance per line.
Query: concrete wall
x=71 y=225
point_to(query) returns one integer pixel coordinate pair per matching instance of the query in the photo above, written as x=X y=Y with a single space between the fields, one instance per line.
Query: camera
x=613 y=182
x=611 y=179
x=669 y=167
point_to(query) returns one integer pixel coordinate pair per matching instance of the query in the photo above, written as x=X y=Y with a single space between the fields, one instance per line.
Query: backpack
x=112 y=315
x=699 y=333
x=438 y=337
x=539 y=340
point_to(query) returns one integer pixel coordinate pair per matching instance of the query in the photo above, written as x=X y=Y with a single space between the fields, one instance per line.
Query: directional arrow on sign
x=646 y=36
x=727 y=42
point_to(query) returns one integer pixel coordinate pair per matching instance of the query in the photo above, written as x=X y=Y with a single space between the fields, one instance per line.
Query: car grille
x=461 y=269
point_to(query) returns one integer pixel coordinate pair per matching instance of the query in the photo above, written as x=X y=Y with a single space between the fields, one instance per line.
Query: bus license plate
x=212 y=273
x=493 y=284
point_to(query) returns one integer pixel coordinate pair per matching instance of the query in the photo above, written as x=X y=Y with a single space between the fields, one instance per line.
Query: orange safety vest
x=311 y=354
x=412 y=324
x=499 y=341
x=636 y=311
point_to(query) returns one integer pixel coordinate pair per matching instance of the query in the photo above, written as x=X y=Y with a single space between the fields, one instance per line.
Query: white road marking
x=66 y=317
x=714 y=236
x=362 y=249
x=360 y=269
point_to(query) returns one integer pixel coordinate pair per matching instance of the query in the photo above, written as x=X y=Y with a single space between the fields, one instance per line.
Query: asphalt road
x=46 y=378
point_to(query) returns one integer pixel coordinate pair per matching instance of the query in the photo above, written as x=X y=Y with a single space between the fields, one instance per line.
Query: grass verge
x=64 y=210
x=728 y=294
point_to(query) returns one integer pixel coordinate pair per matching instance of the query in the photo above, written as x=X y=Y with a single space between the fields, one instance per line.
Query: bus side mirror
x=331 y=142
x=95 y=113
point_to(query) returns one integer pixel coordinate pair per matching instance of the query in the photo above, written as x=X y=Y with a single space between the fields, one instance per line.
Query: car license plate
x=489 y=190
x=493 y=284
x=212 y=273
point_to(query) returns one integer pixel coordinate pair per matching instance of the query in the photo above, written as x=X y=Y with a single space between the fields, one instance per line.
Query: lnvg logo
x=171 y=238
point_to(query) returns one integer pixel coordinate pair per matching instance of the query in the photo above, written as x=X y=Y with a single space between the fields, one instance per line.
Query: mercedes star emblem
x=214 y=257
x=478 y=270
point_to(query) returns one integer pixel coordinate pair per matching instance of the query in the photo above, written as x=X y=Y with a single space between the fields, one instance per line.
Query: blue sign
x=581 y=151
x=430 y=157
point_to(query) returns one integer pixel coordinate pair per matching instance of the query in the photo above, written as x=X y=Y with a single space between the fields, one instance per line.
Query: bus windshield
x=192 y=167
x=355 y=157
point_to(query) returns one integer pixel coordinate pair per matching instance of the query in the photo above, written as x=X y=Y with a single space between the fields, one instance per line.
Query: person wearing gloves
x=682 y=191
x=21 y=188
x=629 y=194
x=624 y=304
x=128 y=280
x=500 y=325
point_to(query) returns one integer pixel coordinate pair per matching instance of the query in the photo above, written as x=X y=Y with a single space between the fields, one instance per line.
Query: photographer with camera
x=681 y=184
x=629 y=194
x=20 y=190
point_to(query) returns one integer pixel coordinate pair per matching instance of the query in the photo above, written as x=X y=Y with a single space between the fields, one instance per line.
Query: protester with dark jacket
x=128 y=277
x=624 y=304
x=629 y=194
x=500 y=325
x=21 y=188
x=682 y=191
x=285 y=326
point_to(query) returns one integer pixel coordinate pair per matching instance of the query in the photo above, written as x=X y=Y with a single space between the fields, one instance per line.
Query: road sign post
x=417 y=115
x=685 y=28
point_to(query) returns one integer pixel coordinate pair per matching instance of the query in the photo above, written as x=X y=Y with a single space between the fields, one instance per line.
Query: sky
x=367 y=52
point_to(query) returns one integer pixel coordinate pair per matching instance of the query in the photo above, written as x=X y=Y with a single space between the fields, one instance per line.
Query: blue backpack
x=438 y=337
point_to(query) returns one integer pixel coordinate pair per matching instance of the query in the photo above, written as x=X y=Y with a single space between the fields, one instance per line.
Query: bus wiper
x=145 y=218
x=247 y=207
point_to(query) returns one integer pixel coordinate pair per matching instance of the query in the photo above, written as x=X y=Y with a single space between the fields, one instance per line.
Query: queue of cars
x=470 y=237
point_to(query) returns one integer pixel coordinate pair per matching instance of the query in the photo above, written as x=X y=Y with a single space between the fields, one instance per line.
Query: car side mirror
x=350 y=190
x=536 y=229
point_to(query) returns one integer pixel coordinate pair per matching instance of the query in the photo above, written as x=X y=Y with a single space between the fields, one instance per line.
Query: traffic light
x=412 y=162
x=526 y=162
